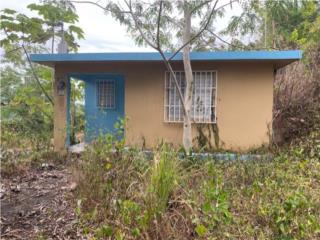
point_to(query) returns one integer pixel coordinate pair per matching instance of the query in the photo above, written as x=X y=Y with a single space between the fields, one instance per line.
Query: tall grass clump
x=164 y=178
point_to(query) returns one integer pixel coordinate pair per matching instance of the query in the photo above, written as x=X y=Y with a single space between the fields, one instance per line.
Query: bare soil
x=37 y=204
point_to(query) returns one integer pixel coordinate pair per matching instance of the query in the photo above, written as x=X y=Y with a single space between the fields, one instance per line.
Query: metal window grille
x=106 y=94
x=203 y=101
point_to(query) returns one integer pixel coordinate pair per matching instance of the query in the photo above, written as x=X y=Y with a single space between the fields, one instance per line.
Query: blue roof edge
x=155 y=56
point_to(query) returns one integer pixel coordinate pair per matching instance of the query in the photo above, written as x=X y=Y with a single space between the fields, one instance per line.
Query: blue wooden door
x=104 y=104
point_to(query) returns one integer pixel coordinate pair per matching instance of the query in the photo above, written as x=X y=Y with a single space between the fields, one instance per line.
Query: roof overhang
x=279 y=58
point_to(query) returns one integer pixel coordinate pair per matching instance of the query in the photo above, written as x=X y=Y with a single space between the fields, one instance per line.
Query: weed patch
x=125 y=196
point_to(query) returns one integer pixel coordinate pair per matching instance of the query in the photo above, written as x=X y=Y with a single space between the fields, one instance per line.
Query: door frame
x=86 y=76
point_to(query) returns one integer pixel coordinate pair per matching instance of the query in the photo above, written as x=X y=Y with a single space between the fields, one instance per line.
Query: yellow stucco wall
x=244 y=101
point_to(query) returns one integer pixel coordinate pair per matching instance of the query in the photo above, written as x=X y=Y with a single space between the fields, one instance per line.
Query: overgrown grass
x=21 y=149
x=123 y=195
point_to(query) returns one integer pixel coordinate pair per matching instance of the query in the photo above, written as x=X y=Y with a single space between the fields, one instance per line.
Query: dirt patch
x=38 y=205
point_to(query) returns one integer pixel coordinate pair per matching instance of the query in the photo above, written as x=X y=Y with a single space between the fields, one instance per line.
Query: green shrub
x=215 y=207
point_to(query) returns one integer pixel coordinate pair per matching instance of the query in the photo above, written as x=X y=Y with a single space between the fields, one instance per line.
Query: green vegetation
x=276 y=24
x=26 y=90
x=126 y=196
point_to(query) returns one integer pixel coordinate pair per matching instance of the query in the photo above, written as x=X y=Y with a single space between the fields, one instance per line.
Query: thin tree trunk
x=265 y=30
x=52 y=41
x=73 y=114
x=273 y=34
x=187 y=131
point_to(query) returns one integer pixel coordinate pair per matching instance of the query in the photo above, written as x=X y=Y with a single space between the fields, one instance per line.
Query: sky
x=102 y=32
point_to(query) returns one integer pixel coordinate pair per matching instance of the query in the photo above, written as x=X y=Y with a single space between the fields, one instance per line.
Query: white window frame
x=167 y=105
x=104 y=81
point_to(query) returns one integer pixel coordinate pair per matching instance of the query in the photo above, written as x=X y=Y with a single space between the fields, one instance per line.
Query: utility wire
x=35 y=75
x=32 y=69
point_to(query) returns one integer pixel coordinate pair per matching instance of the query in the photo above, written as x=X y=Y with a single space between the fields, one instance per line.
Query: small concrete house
x=232 y=103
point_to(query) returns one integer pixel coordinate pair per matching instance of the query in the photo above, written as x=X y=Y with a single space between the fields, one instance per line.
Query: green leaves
x=77 y=30
x=38 y=30
x=215 y=206
x=8 y=11
x=201 y=230
x=293 y=218
x=53 y=14
x=10 y=81
x=103 y=232
x=19 y=27
x=129 y=211
x=276 y=24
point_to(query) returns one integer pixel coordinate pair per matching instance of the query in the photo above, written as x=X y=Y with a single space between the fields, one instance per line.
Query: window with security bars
x=203 y=101
x=106 y=94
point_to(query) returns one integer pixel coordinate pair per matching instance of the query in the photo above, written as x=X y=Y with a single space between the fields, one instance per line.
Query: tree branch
x=158 y=48
x=138 y=27
x=172 y=75
x=97 y=5
x=214 y=9
x=13 y=50
x=92 y=3
x=198 y=34
x=155 y=46
x=227 y=4
x=224 y=41
x=18 y=48
x=199 y=6
x=158 y=24
x=167 y=63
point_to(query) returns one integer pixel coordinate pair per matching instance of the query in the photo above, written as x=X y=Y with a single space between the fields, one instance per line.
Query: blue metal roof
x=291 y=55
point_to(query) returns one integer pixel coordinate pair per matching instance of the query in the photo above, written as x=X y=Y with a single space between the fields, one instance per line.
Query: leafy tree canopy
x=274 y=24
x=20 y=28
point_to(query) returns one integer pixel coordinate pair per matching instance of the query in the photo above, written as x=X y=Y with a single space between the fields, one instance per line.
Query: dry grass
x=297 y=98
x=125 y=196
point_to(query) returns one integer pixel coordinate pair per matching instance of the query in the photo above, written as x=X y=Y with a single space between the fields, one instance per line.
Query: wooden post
x=60 y=112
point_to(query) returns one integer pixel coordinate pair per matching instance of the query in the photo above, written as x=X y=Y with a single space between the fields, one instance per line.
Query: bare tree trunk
x=187 y=130
x=273 y=34
x=73 y=114
x=265 y=30
x=52 y=41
